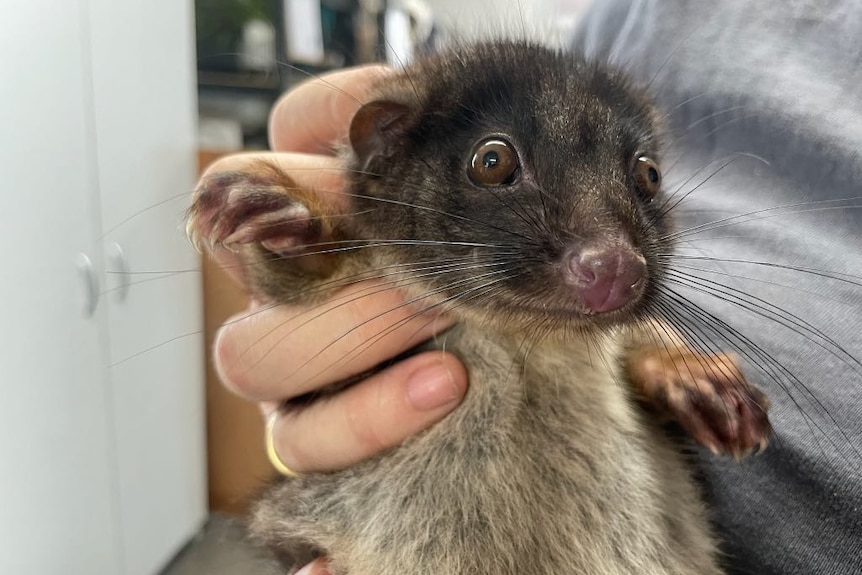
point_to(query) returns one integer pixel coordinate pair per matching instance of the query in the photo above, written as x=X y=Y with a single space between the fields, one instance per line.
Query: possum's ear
x=377 y=129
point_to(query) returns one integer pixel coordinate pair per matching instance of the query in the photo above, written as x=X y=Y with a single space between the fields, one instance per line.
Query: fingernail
x=318 y=567
x=430 y=387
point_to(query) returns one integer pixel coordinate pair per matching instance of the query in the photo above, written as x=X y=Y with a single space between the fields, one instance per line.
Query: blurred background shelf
x=239 y=80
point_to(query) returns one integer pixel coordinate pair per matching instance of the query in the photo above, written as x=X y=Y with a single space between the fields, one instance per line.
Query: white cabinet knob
x=90 y=281
x=118 y=266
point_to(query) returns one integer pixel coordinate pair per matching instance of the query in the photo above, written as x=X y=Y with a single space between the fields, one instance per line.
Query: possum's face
x=524 y=182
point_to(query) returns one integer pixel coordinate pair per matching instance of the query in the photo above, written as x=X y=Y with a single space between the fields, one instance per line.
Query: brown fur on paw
x=707 y=395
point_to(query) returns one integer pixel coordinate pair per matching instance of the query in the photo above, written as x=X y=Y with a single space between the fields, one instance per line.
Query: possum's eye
x=647 y=176
x=494 y=163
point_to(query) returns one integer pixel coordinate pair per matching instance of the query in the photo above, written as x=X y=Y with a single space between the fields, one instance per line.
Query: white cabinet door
x=144 y=93
x=57 y=488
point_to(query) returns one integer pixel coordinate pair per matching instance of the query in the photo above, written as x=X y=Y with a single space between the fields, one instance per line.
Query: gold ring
x=274 y=459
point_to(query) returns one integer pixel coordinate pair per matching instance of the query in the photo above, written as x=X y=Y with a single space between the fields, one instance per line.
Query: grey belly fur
x=547 y=467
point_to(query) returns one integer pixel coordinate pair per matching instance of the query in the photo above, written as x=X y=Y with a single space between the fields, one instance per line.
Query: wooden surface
x=237 y=464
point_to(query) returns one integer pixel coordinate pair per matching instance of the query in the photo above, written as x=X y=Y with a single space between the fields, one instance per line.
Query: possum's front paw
x=281 y=235
x=235 y=208
x=706 y=394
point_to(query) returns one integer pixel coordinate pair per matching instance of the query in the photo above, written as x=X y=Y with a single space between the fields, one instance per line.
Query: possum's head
x=523 y=183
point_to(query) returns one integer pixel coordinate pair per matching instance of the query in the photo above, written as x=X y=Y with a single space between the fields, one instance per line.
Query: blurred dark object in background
x=250 y=51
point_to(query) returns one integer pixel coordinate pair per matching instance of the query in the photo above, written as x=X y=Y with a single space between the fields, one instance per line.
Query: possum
x=517 y=189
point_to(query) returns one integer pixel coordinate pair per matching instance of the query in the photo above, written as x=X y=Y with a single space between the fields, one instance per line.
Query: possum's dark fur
x=549 y=465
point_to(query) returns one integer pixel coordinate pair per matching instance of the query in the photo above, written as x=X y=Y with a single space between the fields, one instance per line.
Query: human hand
x=257 y=352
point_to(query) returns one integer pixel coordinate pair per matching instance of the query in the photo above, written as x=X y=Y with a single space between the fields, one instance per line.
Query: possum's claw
x=707 y=395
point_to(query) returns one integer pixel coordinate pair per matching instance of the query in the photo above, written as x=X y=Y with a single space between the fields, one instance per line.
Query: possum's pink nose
x=606 y=277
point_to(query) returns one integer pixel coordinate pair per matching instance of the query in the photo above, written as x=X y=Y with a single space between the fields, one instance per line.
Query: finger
x=316 y=114
x=281 y=351
x=310 y=171
x=323 y=174
x=372 y=416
